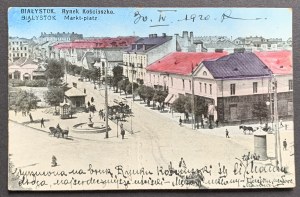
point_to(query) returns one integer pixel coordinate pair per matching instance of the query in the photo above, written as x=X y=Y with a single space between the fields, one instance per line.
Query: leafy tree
x=54 y=70
x=141 y=92
x=129 y=87
x=78 y=69
x=160 y=96
x=24 y=101
x=180 y=105
x=149 y=93
x=122 y=85
x=260 y=111
x=117 y=76
x=54 y=96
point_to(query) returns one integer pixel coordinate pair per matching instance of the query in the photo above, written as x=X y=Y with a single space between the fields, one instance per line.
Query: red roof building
x=182 y=62
x=97 y=43
x=279 y=62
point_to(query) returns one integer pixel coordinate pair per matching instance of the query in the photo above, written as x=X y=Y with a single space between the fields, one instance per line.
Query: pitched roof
x=279 y=62
x=73 y=92
x=220 y=44
x=97 y=43
x=149 y=42
x=237 y=65
x=182 y=62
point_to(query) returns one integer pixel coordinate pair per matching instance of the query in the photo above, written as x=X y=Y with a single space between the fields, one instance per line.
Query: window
x=190 y=84
x=290 y=84
x=232 y=89
x=204 y=73
x=254 y=87
x=172 y=81
x=210 y=89
x=182 y=83
x=200 y=87
x=20 y=48
x=205 y=88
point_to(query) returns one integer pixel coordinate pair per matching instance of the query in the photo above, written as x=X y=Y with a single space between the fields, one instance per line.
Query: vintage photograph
x=106 y=98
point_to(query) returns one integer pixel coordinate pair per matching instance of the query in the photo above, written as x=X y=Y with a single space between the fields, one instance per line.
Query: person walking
x=122 y=131
x=284 y=144
x=180 y=121
x=30 y=116
x=202 y=124
x=227 y=133
x=42 y=123
x=92 y=99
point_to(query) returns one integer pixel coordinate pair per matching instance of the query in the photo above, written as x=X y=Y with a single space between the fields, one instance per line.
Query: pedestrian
x=217 y=123
x=89 y=104
x=123 y=133
x=54 y=161
x=30 y=116
x=42 y=123
x=84 y=90
x=284 y=144
x=92 y=99
x=201 y=121
x=227 y=133
x=180 y=121
x=281 y=123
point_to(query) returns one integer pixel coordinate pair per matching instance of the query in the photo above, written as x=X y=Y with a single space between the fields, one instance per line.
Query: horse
x=64 y=132
x=53 y=131
x=245 y=128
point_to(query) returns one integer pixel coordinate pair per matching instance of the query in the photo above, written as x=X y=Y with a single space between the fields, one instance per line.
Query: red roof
x=98 y=43
x=279 y=62
x=182 y=62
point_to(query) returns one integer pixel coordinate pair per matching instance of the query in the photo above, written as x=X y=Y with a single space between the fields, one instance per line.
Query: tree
x=260 y=111
x=78 y=69
x=149 y=93
x=160 y=96
x=179 y=104
x=54 y=96
x=122 y=85
x=54 y=70
x=117 y=76
x=129 y=87
x=24 y=101
x=141 y=92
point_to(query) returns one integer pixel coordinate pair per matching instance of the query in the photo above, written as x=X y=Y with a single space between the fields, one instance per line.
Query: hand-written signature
x=163 y=20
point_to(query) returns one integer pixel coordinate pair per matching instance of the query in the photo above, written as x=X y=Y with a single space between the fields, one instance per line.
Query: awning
x=172 y=99
x=168 y=98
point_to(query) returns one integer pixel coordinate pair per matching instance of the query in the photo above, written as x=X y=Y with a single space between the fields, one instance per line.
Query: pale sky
x=266 y=22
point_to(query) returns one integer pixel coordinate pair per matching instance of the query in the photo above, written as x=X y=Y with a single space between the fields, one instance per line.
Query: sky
x=237 y=22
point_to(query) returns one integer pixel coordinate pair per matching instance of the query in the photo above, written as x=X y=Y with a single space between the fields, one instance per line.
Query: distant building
x=60 y=37
x=26 y=69
x=75 y=98
x=19 y=47
x=259 y=43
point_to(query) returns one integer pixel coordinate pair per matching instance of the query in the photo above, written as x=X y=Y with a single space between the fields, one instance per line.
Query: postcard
x=107 y=98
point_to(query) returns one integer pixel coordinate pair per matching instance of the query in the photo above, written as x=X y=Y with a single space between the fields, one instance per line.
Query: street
x=157 y=140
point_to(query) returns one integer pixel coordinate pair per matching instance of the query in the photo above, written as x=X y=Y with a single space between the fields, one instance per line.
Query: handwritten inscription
x=246 y=172
x=162 y=18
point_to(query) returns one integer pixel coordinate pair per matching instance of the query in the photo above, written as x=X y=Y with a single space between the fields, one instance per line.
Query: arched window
x=204 y=73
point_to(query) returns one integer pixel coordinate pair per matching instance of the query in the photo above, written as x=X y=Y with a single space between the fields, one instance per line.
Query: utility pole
x=193 y=100
x=106 y=100
x=277 y=133
x=132 y=71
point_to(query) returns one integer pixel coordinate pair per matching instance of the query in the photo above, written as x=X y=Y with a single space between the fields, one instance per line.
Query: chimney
x=155 y=35
x=192 y=37
x=150 y=35
x=164 y=34
x=185 y=34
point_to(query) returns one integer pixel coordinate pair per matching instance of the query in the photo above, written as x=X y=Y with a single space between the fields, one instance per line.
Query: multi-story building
x=59 y=37
x=19 y=47
x=232 y=83
x=143 y=52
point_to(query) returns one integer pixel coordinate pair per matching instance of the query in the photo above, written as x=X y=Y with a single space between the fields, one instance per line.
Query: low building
x=75 y=98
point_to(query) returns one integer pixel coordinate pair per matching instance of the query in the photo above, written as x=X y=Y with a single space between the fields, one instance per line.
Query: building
x=144 y=52
x=215 y=44
x=26 y=69
x=258 y=43
x=59 y=37
x=19 y=47
x=75 y=98
x=232 y=83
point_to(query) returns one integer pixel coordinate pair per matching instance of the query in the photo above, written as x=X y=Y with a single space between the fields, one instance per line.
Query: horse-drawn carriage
x=57 y=131
x=250 y=130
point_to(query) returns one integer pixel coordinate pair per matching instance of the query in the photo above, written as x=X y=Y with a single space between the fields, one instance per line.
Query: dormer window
x=204 y=73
